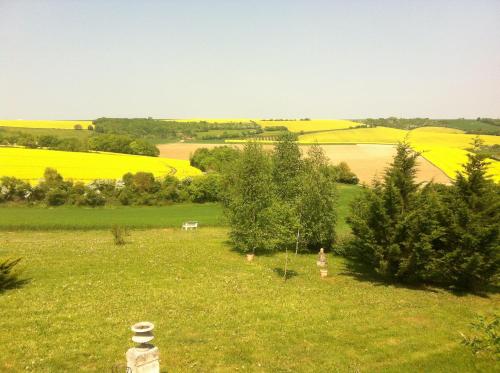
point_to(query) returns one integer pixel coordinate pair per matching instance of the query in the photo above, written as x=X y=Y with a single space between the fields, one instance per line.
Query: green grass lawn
x=214 y=311
x=70 y=217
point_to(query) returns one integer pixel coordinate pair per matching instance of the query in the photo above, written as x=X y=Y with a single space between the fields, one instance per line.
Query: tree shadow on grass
x=361 y=272
x=290 y=273
x=10 y=276
x=258 y=252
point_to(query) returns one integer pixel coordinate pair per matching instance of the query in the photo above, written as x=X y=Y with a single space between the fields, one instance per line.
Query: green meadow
x=214 y=311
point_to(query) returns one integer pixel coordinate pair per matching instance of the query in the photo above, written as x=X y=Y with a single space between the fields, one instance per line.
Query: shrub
x=9 y=278
x=343 y=174
x=56 y=197
x=216 y=159
x=486 y=337
x=205 y=188
x=93 y=198
x=90 y=127
x=12 y=189
x=118 y=233
x=77 y=127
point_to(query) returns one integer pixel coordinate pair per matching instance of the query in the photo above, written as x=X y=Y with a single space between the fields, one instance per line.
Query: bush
x=56 y=197
x=343 y=174
x=14 y=190
x=486 y=337
x=93 y=198
x=118 y=233
x=77 y=127
x=216 y=159
x=205 y=188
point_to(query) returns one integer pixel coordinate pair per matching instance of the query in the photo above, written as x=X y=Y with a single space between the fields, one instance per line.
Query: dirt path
x=365 y=160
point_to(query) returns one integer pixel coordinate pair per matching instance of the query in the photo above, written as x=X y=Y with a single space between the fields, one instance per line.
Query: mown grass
x=214 y=311
x=73 y=218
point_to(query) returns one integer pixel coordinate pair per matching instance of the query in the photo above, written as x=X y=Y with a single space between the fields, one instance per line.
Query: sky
x=249 y=59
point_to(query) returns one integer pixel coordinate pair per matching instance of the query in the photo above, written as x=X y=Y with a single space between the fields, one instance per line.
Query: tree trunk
x=286 y=264
x=297 y=244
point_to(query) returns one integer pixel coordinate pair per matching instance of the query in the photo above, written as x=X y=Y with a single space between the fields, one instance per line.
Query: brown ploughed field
x=365 y=161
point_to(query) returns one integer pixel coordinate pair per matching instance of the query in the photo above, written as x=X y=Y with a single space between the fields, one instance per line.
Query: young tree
x=248 y=200
x=287 y=169
x=316 y=205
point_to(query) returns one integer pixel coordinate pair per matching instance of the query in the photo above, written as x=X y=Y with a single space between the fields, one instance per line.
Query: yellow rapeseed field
x=378 y=135
x=444 y=147
x=59 y=124
x=29 y=164
x=311 y=125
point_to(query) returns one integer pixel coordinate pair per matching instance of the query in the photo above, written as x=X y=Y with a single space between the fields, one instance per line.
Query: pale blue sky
x=320 y=59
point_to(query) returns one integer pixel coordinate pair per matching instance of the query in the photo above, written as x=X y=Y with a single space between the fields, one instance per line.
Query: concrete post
x=144 y=358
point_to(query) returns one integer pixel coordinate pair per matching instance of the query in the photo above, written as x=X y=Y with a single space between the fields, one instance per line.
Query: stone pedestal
x=140 y=360
x=144 y=358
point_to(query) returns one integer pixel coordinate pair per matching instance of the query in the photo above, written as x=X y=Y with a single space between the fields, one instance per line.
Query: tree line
x=161 y=130
x=105 y=142
x=480 y=126
x=141 y=188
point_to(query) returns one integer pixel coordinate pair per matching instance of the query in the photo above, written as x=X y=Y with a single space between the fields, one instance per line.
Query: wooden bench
x=190 y=225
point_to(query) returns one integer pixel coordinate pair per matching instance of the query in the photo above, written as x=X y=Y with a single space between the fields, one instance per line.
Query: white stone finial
x=143 y=332
x=145 y=357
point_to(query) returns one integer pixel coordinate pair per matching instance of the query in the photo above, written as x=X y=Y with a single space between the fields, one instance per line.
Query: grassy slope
x=69 y=217
x=61 y=124
x=213 y=311
x=29 y=164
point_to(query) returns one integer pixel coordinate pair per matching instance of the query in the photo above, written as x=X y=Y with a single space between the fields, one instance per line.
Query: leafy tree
x=12 y=189
x=48 y=141
x=215 y=159
x=56 y=197
x=142 y=147
x=343 y=174
x=316 y=205
x=248 y=200
x=287 y=169
x=205 y=188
